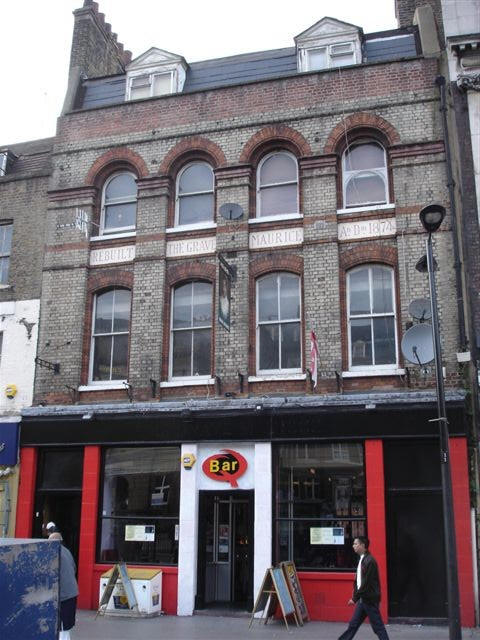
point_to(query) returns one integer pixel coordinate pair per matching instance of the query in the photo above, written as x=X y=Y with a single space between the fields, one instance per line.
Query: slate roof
x=249 y=67
x=33 y=158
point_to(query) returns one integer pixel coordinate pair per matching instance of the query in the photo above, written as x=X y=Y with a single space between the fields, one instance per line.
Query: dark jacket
x=369 y=590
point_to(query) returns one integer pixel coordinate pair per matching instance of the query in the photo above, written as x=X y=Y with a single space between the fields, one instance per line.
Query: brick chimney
x=405 y=11
x=95 y=50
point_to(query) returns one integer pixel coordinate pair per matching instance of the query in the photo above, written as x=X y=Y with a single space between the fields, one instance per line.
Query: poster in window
x=224 y=297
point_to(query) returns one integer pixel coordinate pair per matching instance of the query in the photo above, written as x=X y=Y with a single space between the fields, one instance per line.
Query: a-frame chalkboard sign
x=295 y=589
x=119 y=572
x=274 y=591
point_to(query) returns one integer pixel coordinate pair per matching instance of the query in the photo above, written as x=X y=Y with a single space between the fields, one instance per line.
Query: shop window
x=195 y=194
x=365 y=178
x=372 y=331
x=277 y=185
x=278 y=324
x=320 y=504
x=191 y=330
x=140 y=505
x=119 y=204
x=5 y=249
x=110 y=334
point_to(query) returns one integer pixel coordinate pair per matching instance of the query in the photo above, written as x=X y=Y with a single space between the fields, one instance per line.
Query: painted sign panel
x=191 y=247
x=226 y=466
x=275 y=238
x=9 y=433
x=112 y=255
x=348 y=231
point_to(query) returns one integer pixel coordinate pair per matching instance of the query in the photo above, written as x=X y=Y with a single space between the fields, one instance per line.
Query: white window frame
x=5 y=255
x=382 y=172
x=196 y=225
x=260 y=186
x=150 y=81
x=258 y=324
x=330 y=54
x=192 y=377
x=373 y=367
x=115 y=381
x=116 y=230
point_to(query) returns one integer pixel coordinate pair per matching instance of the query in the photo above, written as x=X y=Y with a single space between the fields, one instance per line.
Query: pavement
x=203 y=627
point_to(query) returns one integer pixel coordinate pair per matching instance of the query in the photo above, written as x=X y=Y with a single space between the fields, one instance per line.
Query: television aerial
x=420 y=309
x=417 y=344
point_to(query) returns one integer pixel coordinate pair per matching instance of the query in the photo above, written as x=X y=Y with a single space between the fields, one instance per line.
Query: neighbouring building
x=228 y=274
x=24 y=175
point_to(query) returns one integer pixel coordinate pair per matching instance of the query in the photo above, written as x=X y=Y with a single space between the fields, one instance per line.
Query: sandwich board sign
x=295 y=589
x=274 y=591
x=119 y=572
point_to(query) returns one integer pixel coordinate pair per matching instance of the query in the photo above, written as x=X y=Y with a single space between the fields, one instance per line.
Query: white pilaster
x=263 y=514
x=188 y=538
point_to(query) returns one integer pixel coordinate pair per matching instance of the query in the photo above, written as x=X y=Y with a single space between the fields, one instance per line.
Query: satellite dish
x=417 y=344
x=420 y=309
x=231 y=211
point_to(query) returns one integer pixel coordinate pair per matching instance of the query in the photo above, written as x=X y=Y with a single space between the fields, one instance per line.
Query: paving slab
x=226 y=628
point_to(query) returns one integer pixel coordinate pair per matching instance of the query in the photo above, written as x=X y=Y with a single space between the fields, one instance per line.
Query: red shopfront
x=326 y=591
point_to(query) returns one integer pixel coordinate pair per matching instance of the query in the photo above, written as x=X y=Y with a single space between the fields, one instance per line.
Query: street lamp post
x=431 y=218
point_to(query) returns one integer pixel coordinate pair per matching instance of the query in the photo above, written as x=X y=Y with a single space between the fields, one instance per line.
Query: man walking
x=366 y=593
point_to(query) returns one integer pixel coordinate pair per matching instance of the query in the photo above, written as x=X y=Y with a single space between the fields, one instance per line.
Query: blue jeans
x=362 y=610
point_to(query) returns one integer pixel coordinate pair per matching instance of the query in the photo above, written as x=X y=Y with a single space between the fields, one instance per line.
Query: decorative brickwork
x=192 y=148
x=360 y=120
x=274 y=137
x=113 y=160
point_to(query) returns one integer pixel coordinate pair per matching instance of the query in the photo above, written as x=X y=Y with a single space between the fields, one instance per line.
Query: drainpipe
x=440 y=82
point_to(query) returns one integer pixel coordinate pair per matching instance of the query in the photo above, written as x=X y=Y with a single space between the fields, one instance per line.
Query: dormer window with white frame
x=328 y=44
x=333 y=55
x=155 y=73
x=150 y=85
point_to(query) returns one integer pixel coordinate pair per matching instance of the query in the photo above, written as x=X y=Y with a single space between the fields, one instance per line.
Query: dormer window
x=149 y=85
x=328 y=44
x=155 y=73
x=334 y=55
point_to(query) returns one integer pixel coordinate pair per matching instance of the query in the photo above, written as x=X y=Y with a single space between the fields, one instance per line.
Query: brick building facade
x=225 y=211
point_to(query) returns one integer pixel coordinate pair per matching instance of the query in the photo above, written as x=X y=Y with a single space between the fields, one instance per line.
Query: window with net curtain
x=140 y=494
x=119 y=204
x=110 y=336
x=278 y=324
x=277 y=185
x=191 y=330
x=371 y=317
x=319 y=504
x=195 y=194
x=365 y=179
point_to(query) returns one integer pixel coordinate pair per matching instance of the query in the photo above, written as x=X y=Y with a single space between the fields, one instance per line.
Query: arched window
x=372 y=333
x=365 y=178
x=191 y=330
x=195 y=197
x=278 y=324
x=110 y=334
x=119 y=204
x=277 y=185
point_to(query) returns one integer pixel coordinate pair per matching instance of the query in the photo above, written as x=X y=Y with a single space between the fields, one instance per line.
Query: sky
x=36 y=40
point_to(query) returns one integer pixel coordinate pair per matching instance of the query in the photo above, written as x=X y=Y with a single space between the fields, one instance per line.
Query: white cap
x=50 y=525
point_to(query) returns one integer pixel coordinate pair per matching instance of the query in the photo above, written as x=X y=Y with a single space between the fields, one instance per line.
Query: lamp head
x=432 y=217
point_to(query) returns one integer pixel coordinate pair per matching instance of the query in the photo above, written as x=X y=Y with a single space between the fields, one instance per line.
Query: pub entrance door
x=225 y=550
x=415 y=541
